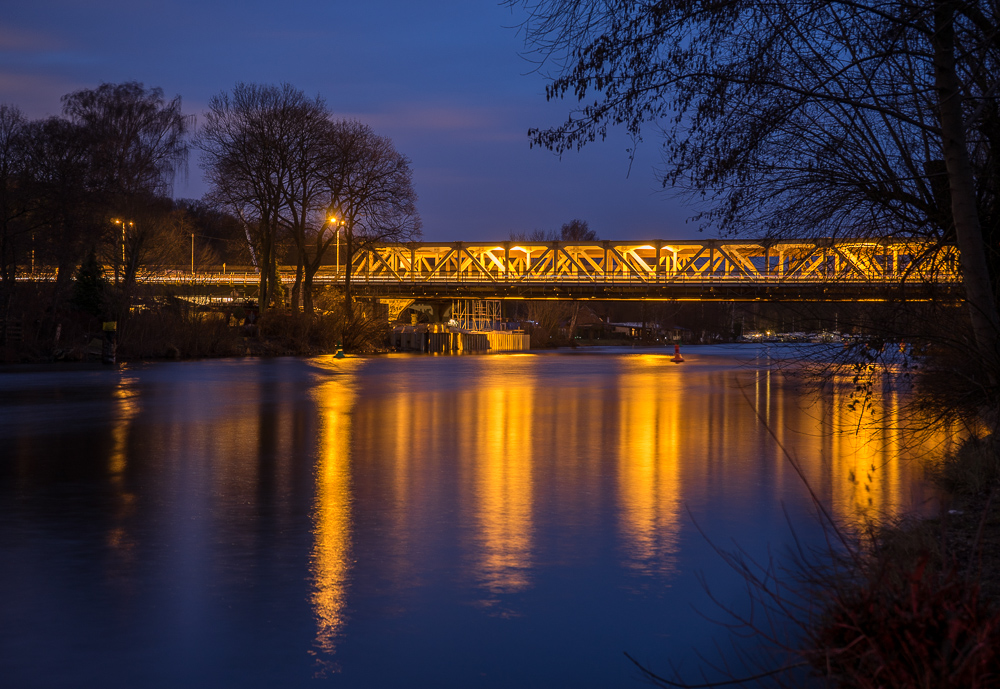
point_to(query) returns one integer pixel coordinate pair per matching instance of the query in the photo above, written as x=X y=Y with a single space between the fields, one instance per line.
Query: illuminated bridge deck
x=729 y=270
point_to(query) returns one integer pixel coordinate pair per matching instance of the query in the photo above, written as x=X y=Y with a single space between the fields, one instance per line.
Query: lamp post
x=338 y=225
x=123 y=249
x=120 y=267
x=192 y=253
x=117 y=265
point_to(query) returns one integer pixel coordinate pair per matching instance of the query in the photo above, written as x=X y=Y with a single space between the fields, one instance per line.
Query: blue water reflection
x=486 y=521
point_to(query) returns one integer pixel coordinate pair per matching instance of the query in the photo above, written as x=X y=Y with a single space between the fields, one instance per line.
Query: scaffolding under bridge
x=476 y=314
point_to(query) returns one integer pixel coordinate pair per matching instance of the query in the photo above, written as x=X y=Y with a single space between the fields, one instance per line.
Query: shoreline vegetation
x=911 y=603
x=916 y=602
x=171 y=328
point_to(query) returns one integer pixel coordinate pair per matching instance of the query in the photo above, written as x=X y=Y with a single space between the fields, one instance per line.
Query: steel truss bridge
x=710 y=270
x=722 y=270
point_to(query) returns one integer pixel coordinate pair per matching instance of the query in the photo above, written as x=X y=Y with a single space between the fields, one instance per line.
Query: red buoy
x=677 y=354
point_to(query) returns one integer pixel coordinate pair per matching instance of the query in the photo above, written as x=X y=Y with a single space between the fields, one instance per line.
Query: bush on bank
x=918 y=605
x=179 y=334
x=193 y=333
x=47 y=329
x=908 y=624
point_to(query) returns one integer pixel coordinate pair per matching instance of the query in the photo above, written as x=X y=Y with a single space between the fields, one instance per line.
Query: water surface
x=476 y=521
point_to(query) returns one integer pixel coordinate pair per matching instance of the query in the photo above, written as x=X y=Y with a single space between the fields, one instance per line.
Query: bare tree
x=534 y=236
x=13 y=198
x=370 y=187
x=66 y=214
x=218 y=233
x=811 y=116
x=277 y=160
x=249 y=142
x=577 y=230
x=306 y=196
x=157 y=237
x=136 y=142
x=138 y=138
x=548 y=315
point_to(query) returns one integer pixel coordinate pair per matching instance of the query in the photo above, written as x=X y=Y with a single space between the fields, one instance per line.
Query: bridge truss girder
x=724 y=270
x=857 y=292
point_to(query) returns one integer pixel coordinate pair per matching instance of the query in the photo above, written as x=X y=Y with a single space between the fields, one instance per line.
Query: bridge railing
x=660 y=261
x=653 y=262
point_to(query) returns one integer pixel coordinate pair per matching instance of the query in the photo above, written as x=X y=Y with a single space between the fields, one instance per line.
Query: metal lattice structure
x=722 y=270
x=827 y=269
x=476 y=314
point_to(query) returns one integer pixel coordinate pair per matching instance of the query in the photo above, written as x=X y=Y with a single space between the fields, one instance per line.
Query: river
x=464 y=521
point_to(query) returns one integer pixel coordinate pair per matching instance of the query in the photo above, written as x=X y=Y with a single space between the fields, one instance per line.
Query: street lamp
x=121 y=266
x=338 y=224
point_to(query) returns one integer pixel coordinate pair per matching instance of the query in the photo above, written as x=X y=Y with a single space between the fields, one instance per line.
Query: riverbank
x=916 y=602
x=184 y=332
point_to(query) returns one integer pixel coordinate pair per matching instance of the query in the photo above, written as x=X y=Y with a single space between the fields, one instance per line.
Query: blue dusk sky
x=446 y=80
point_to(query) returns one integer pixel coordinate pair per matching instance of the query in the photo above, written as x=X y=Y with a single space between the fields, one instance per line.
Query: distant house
x=678 y=334
x=651 y=332
x=631 y=330
x=589 y=325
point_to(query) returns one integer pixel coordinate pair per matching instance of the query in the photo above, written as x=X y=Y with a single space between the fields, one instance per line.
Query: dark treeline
x=87 y=195
x=91 y=185
x=575 y=230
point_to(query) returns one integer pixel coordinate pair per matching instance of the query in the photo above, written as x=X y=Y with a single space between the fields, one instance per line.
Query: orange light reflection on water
x=331 y=556
x=504 y=482
x=126 y=408
x=872 y=460
x=649 y=458
x=518 y=456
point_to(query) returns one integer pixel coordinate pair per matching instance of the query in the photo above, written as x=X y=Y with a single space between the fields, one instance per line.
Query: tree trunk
x=574 y=314
x=276 y=299
x=307 y=292
x=273 y=285
x=310 y=268
x=961 y=180
x=64 y=278
x=265 y=274
x=297 y=287
x=348 y=267
x=8 y=256
x=264 y=263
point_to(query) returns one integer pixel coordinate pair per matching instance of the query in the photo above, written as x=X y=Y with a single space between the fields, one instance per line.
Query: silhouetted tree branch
x=800 y=117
